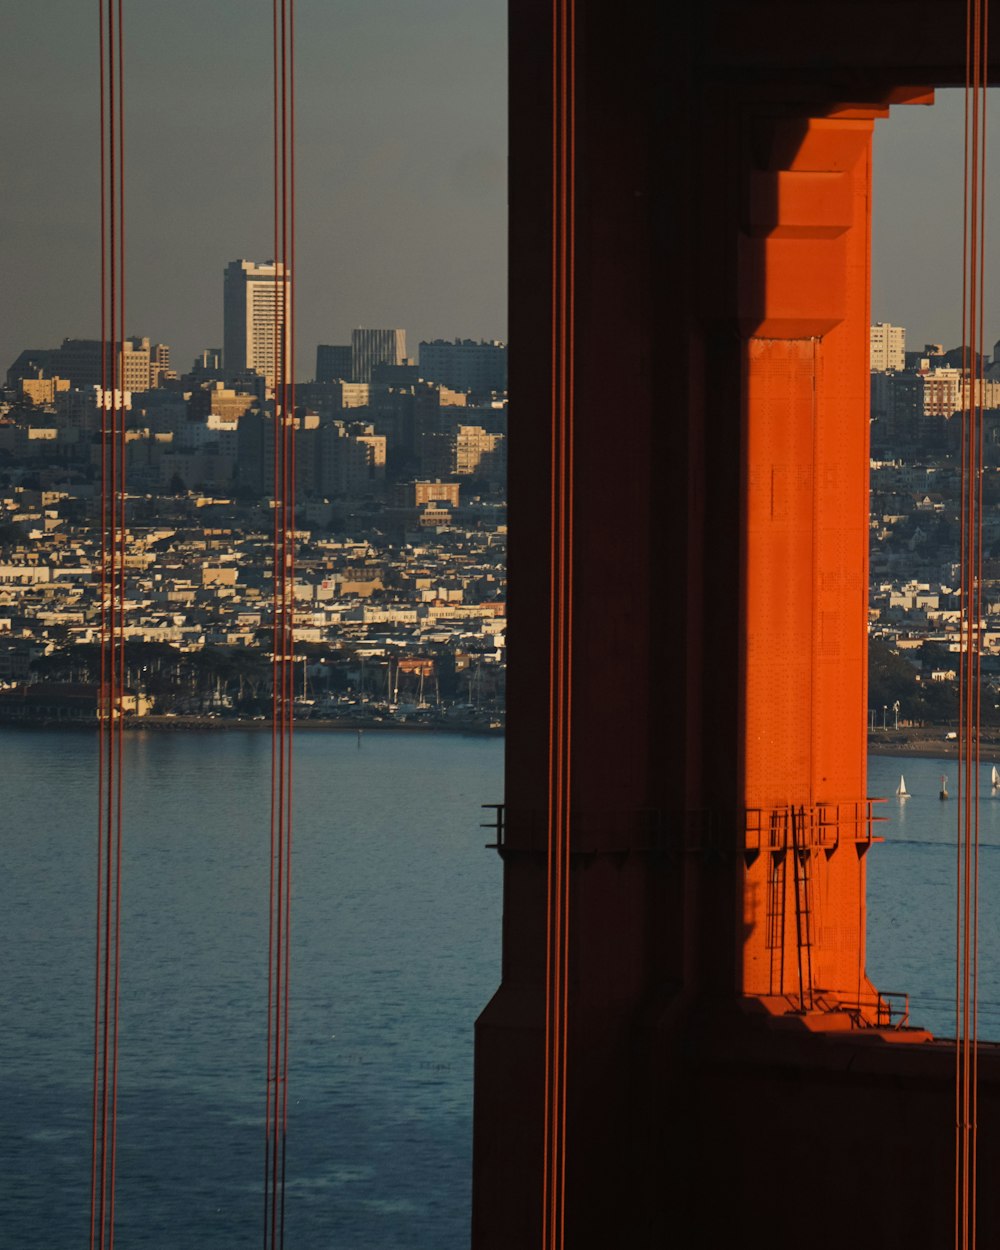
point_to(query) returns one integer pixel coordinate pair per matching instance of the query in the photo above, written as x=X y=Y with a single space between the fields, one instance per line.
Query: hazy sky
x=917 y=221
x=401 y=168
x=401 y=174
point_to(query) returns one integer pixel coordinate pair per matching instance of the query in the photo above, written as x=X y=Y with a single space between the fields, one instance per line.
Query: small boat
x=901 y=790
x=944 y=788
x=995 y=778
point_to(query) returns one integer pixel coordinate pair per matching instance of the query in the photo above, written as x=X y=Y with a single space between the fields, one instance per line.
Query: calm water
x=911 y=893
x=397 y=919
x=396 y=948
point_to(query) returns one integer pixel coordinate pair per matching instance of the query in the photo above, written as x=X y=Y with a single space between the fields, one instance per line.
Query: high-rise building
x=80 y=361
x=465 y=451
x=254 y=318
x=888 y=346
x=134 y=369
x=208 y=361
x=351 y=459
x=334 y=363
x=159 y=364
x=137 y=364
x=465 y=365
x=375 y=347
x=33 y=362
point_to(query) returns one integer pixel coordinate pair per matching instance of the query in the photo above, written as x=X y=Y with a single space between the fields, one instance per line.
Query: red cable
x=972 y=641
x=982 y=30
x=549 y=901
x=962 y=652
x=275 y=650
x=963 y=661
x=570 y=202
x=118 y=717
x=108 y=934
x=970 y=693
x=979 y=617
x=109 y=711
x=281 y=412
x=560 y=634
x=112 y=450
x=283 y=590
x=289 y=370
x=98 y=911
x=551 y=897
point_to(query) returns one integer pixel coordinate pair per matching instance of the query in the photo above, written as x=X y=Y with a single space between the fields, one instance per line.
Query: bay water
x=911 y=891
x=396 y=917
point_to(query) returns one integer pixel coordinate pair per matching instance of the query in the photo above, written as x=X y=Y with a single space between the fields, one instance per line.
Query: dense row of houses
x=400 y=472
x=915 y=586
x=408 y=625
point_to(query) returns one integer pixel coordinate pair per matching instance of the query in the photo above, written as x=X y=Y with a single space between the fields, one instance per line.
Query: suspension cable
x=970 y=685
x=112 y=404
x=281 y=368
x=560 y=627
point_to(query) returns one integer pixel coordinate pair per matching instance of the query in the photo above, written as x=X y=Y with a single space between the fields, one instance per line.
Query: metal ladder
x=801 y=859
x=778 y=858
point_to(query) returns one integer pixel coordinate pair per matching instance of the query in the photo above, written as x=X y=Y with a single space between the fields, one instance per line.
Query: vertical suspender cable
x=97 y=1108
x=110 y=761
x=117 y=718
x=275 y=667
x=283 y=606
x=962 y=860
x=967 y=840
x=983 y=63
x=288 y=375
x=560 y=628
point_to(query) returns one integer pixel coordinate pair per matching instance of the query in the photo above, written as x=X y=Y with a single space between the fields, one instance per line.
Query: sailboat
x=944 y=788
x=995 y=778
x=901 y=790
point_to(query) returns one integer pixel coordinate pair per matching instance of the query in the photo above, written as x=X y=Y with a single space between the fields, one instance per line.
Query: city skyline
x=402 y=195
x=917 y=221
x=401 y=180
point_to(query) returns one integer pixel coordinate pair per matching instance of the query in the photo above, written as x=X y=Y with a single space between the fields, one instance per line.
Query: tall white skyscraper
x=254 y=301
x=375 y=347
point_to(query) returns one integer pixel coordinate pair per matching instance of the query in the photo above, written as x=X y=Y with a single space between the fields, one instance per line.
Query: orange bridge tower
x=690 y=197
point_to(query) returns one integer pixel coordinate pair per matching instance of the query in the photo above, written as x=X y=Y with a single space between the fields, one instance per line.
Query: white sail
x=995 y=778
x=901 y=790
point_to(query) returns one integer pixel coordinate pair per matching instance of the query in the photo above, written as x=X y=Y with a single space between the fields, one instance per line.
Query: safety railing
x=820 y=826
x=885 y=1009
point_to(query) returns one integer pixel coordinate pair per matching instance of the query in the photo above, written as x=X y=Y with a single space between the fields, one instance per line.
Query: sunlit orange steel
x=731 y=1074
x=804 y=310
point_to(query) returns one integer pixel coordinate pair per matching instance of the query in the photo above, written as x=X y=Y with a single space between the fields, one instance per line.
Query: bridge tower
x=729 y=1065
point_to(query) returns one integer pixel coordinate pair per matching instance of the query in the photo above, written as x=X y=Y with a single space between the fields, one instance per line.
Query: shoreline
x=220 y=724
x=929 y=742
x=922 y=743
